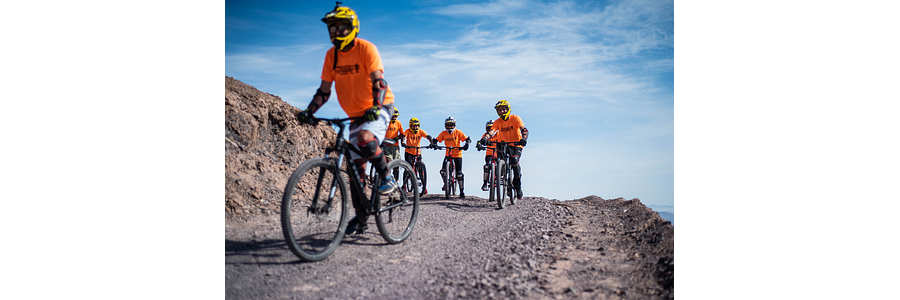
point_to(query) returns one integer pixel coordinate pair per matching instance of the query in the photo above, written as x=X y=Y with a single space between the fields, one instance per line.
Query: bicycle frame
x=452 y=172
x=343 y=148
x=416 y=160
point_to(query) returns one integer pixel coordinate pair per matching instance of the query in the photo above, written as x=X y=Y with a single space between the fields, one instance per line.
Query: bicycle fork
x=317 y=209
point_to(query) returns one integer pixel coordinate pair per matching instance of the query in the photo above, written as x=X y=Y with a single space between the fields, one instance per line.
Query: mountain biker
x=453 y=137
x=355 y=67
x=511 y=129
x=480 y=145
x=414 y=137
x=395 y=132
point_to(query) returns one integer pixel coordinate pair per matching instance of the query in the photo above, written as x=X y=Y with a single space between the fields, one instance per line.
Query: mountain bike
x=315 y=207
x=421 y=178
x=450 y=181
x=500 y=182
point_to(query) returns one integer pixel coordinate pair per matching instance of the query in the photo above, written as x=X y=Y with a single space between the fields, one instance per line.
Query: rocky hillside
x=263 y=144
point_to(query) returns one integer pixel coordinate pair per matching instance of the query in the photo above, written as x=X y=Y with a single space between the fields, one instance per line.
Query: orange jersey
x=394 y=129
x=510 y=130
x=351 y=77
x=414 y=140
x=452 y=140
x=490 y=149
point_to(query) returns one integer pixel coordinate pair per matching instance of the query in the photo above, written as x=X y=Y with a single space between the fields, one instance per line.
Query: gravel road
x=587 y=248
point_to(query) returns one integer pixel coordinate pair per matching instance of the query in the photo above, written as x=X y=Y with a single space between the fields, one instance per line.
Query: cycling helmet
x=488 y=125
x=450 y=122
x=342 y=14
x=396 y=112
x=503 y=103
x=413 y=121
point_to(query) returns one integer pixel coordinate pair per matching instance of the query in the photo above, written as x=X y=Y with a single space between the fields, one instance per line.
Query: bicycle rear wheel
x=396 y=213
x=499 y=184
x=313 y=224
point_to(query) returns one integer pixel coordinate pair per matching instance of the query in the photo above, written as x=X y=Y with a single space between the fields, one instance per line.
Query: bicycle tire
x=396 y=223
x=448 y=179
x=422 y=175
x=491 y=184
x=499 y=184
x=311 y=235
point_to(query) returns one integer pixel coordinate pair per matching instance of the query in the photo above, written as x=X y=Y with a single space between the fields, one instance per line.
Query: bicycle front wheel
x=396 y=213
x=448 y=179
x=315 y=209
x=499 y=184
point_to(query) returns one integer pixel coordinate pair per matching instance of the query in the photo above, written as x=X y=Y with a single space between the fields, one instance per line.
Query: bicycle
x=421 y=175
x=500 y=175
x=316 y=203
x=450 y=180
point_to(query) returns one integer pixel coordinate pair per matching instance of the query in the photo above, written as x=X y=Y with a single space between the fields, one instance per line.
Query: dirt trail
x=587 y=248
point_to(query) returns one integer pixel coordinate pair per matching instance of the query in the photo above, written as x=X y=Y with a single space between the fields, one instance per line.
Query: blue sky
x=592 y=80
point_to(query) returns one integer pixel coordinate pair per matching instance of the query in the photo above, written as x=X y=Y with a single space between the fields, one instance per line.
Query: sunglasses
x=338 y=27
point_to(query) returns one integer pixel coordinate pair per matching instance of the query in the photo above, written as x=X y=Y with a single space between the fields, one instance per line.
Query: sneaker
x=388 y=185
x=354 y=227
x=484 y=186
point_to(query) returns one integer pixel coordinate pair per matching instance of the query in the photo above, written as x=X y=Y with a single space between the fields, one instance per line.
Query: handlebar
x=416 y=147
x=437 y=147
x=488 y=143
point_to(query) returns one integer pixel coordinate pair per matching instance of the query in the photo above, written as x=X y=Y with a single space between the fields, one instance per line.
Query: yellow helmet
x=413 y=121
x=396 y=112
x=503 y=103
x=346 y=15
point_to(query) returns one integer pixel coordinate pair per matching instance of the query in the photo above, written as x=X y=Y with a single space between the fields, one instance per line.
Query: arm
x=379 y=88
x=318 y=100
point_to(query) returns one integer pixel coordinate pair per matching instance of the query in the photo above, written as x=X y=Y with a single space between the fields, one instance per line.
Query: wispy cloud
x=533 y=51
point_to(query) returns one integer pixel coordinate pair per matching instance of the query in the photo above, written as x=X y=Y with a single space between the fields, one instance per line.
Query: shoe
x=354 y=227
x=443 y=188
x=388 y=185
x=519 y=193
x=462 y=195
x=424 y=192
x=484 y=186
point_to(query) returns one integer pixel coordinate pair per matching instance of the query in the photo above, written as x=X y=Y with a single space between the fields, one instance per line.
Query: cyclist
x=414 y=137
x=355 y=67
x=490 y=151
x=453 y=137
x=395 y=132
x=511 y=129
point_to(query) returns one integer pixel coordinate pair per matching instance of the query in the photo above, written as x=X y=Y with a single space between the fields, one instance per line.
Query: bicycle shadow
x=264 y=252
x=468 y=205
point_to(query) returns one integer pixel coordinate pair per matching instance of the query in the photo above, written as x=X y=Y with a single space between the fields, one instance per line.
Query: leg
x=460 y=176
x=487 y=172
x=444 y=172
x=514 y=158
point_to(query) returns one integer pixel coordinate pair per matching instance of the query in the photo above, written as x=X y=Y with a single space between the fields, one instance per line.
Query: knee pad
x=514 y=160
x=369 y=149
x=487 y=168
x=460 y=176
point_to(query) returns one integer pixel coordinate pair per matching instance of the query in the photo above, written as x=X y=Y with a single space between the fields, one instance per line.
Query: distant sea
x=667 y=212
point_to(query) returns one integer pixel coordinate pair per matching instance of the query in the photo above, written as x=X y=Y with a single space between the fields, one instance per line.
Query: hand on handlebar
x=306 y=117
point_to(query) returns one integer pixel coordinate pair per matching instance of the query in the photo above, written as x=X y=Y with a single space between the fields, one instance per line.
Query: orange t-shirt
x=452 y=140
x=394 y=129
x=490 y=149
x=351 y=77
x=414 y=140
x=510 y=130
